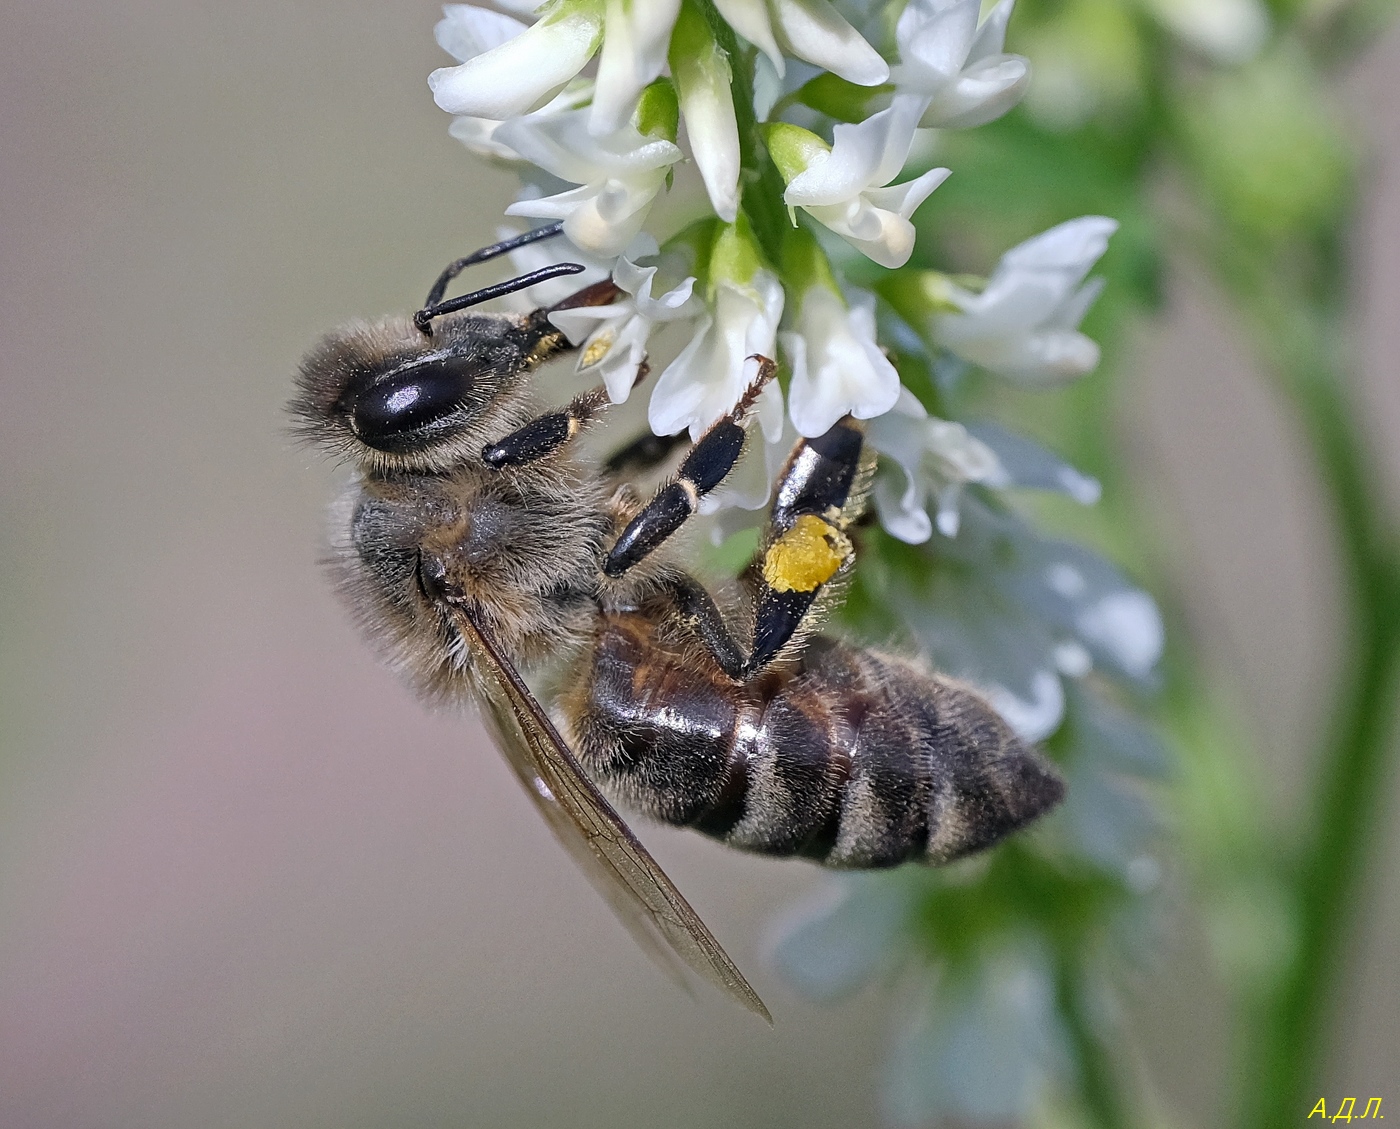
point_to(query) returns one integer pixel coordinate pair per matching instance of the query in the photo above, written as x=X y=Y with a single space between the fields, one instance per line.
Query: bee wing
x=617 y=864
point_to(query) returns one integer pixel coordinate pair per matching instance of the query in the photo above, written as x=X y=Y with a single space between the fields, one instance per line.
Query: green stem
x=1098 y=1083
x=1290 y=1032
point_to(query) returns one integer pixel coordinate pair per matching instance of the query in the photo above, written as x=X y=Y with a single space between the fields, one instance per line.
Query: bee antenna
x=424 y=316
x=505 y=246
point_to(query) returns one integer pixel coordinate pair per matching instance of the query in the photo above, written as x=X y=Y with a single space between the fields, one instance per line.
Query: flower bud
x=701 y=71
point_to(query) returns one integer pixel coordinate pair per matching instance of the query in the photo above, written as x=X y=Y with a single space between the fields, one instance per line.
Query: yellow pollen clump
x=806 y=555
x=597 y=348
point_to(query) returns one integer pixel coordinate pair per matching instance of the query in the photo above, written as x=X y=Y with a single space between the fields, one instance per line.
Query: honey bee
x=476 y=540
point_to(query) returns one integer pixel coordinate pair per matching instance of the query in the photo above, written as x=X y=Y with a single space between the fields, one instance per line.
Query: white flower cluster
x=751 y=268
x=732 y=165
x=661 y=115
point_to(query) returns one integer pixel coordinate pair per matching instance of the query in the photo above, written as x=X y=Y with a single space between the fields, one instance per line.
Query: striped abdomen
x=855 y=759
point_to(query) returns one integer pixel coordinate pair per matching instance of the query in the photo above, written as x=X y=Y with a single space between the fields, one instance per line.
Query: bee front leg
x=547 y=433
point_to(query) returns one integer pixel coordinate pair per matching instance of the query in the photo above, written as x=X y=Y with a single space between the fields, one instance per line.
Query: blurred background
x=245 y=879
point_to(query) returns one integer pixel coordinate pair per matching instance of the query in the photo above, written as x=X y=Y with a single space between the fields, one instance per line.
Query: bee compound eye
x=411 y=407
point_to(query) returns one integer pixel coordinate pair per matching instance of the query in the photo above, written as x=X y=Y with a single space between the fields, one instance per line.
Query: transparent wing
x=620 y=868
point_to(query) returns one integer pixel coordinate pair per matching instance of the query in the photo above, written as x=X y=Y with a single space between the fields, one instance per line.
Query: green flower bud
x=658 y=111
x=792 y=148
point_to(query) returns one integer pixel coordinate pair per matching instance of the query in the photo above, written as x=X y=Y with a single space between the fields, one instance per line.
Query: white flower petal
x=706 y=380
x=560 y=144
x=681 y=391
x=882 y=236
x=1038 y=358
x=837 y=369
x=991 y=35
x=815 y=31
x=1128 y=625
x=614 y=337
x=903 y=512
x=867 y=154
x=465 y=31
x=479 y=136
x=583 y=322
x=634 y=52
x=982 y=93
x=934 y=40
x=557 y=207
x=1029 y=464
x=708 y=110
x=613 y=218
x=521 y=73
x=1069 y=315
x=1024 y=324
x=1012 y=301
x=1076 y=244
x=1035 y=716
x=678 y=302
x=904 y=199
x=937 y=457
x=750 y=19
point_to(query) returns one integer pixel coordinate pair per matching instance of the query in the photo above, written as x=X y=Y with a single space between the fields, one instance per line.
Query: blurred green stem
x=1301 y=331
x=1099 y=1085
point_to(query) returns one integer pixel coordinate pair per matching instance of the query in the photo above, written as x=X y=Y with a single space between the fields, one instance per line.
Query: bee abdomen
x=855 y=759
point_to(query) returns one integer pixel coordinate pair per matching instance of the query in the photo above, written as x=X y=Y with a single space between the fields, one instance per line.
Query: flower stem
x=1099 y=1088
x=1303 y=338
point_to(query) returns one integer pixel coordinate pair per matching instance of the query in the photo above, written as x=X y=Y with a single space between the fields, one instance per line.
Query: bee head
x=389 y=397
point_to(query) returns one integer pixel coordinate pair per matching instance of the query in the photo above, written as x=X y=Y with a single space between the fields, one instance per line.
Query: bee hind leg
x=820 y=494
x=803 y=556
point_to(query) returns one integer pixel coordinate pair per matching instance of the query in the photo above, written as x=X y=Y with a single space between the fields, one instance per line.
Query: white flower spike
x=938 y=459
x=519 y=73
x=837 y=368
x=960 y=67
x=614 y=337
x=847 y=188
x=1025 y=324
x=809 y=29
x=619 y=176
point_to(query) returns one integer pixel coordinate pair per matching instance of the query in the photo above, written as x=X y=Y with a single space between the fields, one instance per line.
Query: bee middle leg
x=706 y=465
